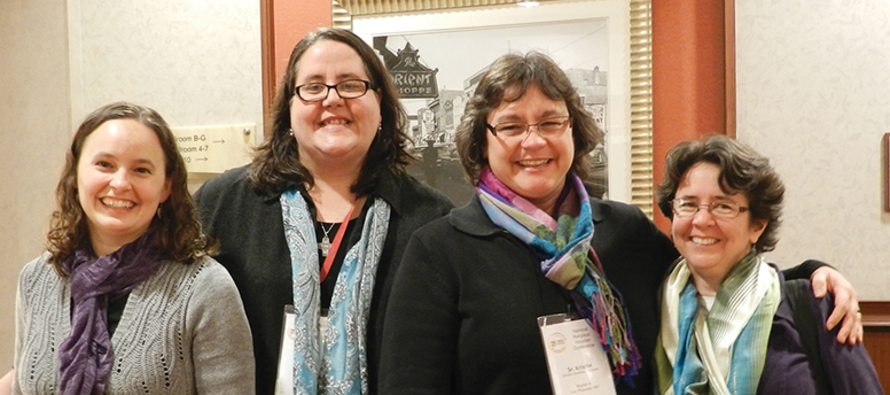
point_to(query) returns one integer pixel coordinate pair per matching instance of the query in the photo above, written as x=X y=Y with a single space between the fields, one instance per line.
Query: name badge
x=575 y=358
x=284 y=382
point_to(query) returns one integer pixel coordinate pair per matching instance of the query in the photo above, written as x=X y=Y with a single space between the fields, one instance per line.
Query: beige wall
x=197 y=63
x=814 y=96
x=34 y=128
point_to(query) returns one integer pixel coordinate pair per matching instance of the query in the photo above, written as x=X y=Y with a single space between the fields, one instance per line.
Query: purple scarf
x=86 y=354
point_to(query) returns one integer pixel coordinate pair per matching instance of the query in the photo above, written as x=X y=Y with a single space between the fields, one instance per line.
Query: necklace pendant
x=324 y=245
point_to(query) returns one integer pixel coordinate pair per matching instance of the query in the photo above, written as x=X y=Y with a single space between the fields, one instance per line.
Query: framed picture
x=437 y=57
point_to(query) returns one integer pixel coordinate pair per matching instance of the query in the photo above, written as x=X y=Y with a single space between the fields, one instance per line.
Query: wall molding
x=875 y=314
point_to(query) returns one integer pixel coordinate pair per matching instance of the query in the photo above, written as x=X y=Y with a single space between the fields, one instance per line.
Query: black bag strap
x=808 y=326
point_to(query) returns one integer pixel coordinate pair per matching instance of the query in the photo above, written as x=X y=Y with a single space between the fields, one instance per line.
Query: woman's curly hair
x=177 y=230
x=742 y=170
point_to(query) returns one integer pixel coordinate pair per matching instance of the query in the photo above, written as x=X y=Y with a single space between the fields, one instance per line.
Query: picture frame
x=563 y=24
x=885 y=168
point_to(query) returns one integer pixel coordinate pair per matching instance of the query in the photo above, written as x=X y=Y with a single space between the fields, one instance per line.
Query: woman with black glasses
x=321 y=217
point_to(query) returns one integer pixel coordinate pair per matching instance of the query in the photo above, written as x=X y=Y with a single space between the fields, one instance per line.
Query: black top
x=462 y=318
x=115 y=312
x=249 y=227
x=327 y=285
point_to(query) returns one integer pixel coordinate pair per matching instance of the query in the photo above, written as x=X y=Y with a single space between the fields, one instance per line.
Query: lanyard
x=329 y=260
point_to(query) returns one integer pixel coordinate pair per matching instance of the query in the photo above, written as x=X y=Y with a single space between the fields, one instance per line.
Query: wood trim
x=377 y=7
x=876 y=322
x=885 y=169
x=729 y=42
x=875 y=314
x=267 y=45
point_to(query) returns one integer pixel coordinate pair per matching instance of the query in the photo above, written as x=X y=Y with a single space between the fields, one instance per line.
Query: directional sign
x=215 y=149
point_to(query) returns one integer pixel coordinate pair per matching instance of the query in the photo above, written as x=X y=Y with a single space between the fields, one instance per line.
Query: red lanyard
x=329 y=260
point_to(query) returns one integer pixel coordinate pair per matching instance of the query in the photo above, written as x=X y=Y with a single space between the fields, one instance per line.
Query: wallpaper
x=197 y=62
x=814 y=96
x=34 y=115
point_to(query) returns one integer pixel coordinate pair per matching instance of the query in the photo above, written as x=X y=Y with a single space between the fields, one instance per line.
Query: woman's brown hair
x=507 y=79
x=277 y=161
x=742 y=170
x=178 y=232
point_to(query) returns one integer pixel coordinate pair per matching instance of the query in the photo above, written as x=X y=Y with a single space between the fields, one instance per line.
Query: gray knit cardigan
x=183 y=331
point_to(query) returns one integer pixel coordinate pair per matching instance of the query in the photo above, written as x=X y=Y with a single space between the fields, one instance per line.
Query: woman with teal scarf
x=463 y=313
x=730 y=323
x=318 y=221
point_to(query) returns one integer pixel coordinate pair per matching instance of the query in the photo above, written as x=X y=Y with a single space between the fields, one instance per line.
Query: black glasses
x=547 y=127
x=726 y=210
x=349 y=89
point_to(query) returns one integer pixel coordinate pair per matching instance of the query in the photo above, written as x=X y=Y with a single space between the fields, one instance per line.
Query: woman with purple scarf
x=477 y=290
x=126 y=299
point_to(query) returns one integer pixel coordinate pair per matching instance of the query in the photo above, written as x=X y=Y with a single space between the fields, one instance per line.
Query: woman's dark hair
x=742 y=170
x=277 y=161
x=177 y=230
x=511 y=75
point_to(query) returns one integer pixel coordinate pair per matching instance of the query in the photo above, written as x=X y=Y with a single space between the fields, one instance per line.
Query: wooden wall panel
x=876 y=320
x=689 y=96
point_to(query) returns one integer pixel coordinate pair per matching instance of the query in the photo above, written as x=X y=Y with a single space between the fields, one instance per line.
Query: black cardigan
x=462 y=314
x=249 y=227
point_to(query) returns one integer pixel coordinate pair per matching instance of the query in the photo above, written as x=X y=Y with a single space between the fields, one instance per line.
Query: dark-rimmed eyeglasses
x=349 y=89
x=547 y=127
x=688 y=208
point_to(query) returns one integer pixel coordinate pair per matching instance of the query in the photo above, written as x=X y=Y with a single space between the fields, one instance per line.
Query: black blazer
x=463 y=310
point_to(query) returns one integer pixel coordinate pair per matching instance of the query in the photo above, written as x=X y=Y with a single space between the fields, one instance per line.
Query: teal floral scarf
x=334 y=362
x=564 y=245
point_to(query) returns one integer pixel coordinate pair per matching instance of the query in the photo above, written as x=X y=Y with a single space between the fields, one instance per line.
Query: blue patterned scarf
x=334 y=362
x=568 y=260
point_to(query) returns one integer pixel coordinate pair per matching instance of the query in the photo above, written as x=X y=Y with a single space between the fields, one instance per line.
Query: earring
x=159 y=214
x=380 y=127
x=290 y=131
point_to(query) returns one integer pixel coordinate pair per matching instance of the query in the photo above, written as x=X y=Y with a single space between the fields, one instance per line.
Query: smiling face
x=334 y=131
x=121 y=180
x=532 y=166
x=712 y=246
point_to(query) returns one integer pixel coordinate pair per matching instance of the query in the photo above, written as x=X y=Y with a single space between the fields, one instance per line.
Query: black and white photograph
x=437 y=71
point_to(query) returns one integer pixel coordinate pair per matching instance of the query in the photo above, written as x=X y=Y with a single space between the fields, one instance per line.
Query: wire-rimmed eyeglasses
x=547 y=127
x=726 y=210
x=349 y=89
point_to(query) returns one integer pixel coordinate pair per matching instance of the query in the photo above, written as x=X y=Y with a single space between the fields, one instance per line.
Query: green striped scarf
x=721 y=351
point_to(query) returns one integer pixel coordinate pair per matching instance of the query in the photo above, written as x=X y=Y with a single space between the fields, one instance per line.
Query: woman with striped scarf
x=730 y=322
